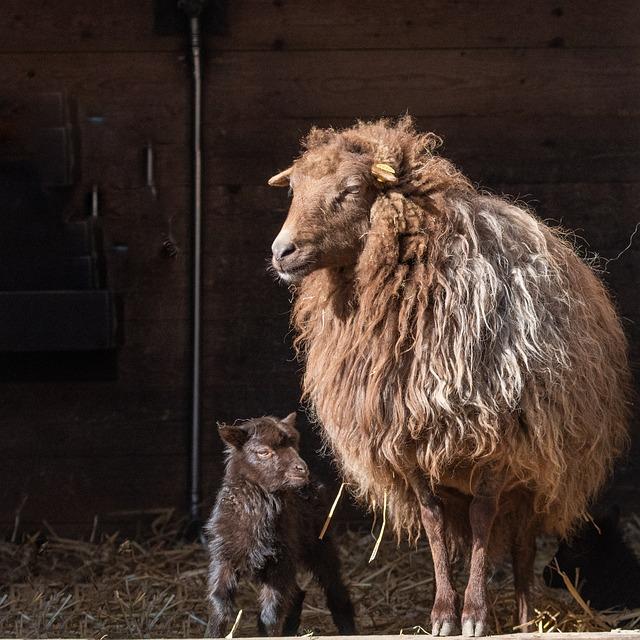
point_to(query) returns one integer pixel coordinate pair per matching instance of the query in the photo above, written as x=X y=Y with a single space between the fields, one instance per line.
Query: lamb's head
x=333 y=186
x=265 y=451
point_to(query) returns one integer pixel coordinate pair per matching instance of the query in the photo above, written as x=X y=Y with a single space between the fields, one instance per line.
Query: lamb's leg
x=482 y=512
x=523 y=556
x=278 y=597
x=223 y=582
x=324 y=563
x=444 y=613
x=292 y=621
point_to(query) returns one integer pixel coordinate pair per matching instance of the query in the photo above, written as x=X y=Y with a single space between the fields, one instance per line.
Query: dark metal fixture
x=193 y=9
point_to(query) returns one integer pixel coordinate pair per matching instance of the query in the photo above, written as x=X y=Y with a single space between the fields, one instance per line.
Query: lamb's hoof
x=473 y=627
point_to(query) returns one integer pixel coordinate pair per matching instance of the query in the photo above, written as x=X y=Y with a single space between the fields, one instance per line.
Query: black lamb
x=265 y=525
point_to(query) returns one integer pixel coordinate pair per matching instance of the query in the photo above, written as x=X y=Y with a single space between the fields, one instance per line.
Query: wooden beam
x=329 y=25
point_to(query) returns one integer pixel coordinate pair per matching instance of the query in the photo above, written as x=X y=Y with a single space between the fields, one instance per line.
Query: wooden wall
x=539 y=99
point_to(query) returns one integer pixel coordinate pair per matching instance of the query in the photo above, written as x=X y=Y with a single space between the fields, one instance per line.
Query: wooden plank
x=20 y=112
x=538 y=82
x=430 y=83
x=600 y=635
x=75 y=489
x=557 y=149
x=589 y=131
x=147 y=431
x=87 y=406
x=114 y=25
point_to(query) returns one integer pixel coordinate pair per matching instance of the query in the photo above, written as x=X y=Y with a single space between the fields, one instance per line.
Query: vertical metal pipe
x=95 y=199
x=197 y=265
x=151 y=181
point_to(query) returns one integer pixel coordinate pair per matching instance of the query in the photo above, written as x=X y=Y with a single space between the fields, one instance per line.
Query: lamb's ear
x=233 y=435
x=290 y=420
x=288 y=425
x=280 y=179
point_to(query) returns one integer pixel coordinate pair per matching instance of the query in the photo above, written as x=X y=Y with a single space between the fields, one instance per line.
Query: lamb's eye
x=264 y=453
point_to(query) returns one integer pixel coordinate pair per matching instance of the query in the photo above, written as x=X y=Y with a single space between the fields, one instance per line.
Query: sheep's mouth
x=297 y=480
x=293 y=272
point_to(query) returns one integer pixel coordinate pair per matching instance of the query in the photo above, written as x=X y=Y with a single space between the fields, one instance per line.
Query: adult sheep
x=463 y=361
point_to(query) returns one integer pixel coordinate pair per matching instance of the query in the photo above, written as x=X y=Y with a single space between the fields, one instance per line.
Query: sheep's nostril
x=283 y=245
x=282 y=249
x=301 y=468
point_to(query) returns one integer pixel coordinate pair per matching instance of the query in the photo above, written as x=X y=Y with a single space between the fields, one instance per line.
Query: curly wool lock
x=468 y=334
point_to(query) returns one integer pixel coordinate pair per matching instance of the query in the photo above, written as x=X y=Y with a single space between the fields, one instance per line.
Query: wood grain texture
x=538 y=100
x=111 y=25
x=427 y=83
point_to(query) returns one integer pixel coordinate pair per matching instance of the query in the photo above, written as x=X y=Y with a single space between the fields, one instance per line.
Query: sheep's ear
x=235 y=436
x=384 y=173
x=290 y=420
x=280 y=179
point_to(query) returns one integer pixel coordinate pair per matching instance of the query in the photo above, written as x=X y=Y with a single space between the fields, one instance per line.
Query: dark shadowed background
x=538 y=99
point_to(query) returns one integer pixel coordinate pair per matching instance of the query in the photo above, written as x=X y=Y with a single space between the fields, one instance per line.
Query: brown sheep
x=462 y=360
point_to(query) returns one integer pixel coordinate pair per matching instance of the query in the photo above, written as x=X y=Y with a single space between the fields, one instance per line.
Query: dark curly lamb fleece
x=265 y=525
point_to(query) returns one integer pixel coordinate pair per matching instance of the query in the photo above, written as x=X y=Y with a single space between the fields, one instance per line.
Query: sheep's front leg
x=444 y=613
x=482 y=513
x=223 y=582
x=280 y=597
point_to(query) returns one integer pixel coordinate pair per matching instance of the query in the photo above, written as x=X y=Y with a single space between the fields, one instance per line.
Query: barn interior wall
x=540 y=100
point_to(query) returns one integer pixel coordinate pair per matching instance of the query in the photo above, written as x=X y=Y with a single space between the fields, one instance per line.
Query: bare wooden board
x=305 y=24
x=428 y=83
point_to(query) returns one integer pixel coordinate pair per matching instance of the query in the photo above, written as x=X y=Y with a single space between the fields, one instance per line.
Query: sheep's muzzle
x=290 y=261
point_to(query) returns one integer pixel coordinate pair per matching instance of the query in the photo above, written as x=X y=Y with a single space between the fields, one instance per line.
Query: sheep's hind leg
x=444 y=613
x=292 y=621
x=482 y=513
x=523 y=557
x=324 y=563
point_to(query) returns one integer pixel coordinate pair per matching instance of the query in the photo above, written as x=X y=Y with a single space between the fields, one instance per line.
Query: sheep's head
x=333 y=188
x=265 y=451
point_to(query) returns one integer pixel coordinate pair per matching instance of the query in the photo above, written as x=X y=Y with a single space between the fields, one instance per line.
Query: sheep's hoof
x=475 y=616
x=444 y=616
x=444 y=628
x=472 y=627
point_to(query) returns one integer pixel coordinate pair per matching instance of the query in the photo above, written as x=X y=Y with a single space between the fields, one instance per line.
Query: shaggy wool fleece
x=468 y=335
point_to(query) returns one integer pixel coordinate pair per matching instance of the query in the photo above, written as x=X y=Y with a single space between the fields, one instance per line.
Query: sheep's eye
x=348 y=191
x=264 y=453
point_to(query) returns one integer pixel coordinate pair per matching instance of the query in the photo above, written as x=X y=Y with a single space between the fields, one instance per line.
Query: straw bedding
x=154 y=586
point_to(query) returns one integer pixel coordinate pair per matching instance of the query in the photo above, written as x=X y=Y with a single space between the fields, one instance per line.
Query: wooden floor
x=506 y=636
